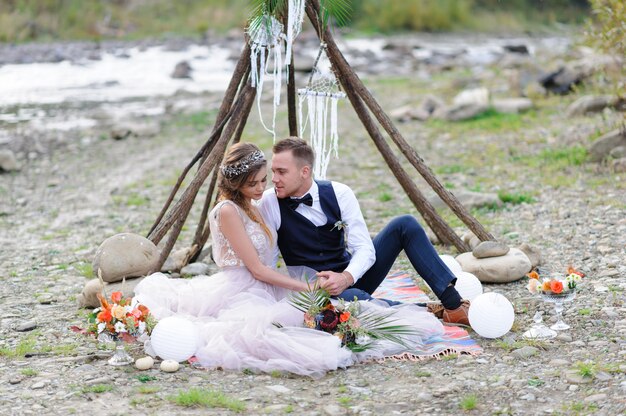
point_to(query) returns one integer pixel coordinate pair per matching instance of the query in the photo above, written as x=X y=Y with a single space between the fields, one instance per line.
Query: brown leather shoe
x=458 y=316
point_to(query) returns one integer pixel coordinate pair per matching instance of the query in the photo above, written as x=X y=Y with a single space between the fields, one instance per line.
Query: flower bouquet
x=556 y=290
x=119 y=319
x=556 y=285
x=356 y=329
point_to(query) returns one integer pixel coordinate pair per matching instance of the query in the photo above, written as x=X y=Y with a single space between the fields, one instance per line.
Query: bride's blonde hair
x=242 y=162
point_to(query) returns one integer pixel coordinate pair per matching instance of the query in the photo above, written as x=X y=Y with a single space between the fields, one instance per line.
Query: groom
x=321 y=231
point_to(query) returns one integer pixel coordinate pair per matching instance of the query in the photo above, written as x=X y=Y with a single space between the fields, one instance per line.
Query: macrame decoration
x=295 y=18
x=321 y=95
x=266 y=36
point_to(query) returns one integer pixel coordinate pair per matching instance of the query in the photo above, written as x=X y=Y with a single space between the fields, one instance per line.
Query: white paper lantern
x=491 y=315
x=174 y=338
x=452 y=264
x=468 y=285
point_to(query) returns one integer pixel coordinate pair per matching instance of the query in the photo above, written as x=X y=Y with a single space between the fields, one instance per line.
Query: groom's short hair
x=299 y=148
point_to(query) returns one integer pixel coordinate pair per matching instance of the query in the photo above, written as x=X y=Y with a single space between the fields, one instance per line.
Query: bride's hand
x=334 y=283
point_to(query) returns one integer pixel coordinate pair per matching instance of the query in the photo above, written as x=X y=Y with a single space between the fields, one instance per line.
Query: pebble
x=26 y=326
x=601 y=397
x=525 y=352
x=38 y=385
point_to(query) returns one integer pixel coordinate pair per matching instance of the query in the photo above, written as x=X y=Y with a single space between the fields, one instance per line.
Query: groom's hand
x=334 y=283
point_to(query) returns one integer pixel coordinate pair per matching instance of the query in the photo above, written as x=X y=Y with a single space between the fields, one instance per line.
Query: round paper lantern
x=452 y=264
x=174 y=338
x=491 y=315
x=468 y=285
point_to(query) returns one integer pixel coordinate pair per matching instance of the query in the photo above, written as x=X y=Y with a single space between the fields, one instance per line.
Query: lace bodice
x=223 y=253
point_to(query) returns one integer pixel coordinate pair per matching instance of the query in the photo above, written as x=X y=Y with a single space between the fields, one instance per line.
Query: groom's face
x=289 y=177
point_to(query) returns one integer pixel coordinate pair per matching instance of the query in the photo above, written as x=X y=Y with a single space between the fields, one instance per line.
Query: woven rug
x=399 y=286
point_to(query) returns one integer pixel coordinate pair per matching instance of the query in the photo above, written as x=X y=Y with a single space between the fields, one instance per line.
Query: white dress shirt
x=359 y=242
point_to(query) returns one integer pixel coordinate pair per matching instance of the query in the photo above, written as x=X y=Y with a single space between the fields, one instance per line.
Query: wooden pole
x=240 y=74
x=183 y=206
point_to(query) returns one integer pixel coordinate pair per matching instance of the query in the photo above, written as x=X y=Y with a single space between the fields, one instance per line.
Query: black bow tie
x=295 y=202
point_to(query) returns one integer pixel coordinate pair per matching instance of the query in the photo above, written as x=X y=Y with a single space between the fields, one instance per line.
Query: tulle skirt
x=244 y=323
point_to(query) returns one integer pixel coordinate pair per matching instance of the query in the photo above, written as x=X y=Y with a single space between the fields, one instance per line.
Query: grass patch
x=581 y=407
x=29 y=372
x=584 y=311
x=450 y=169
x=385 y=197
x=342 y=389
x=23 y=347
x=85 y=269
x=148 y=389
x=585 y=370
x=98 y=388
x=536 y=382
x=144 y=378
x=207 y=398
x=344 y=401
x=515 y=198
x=469 y=402
x=420 y=373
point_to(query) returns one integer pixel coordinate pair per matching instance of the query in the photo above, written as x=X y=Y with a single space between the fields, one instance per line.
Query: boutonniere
x=339 y=225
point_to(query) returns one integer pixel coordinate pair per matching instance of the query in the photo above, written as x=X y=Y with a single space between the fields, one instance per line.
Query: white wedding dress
x=235 y=315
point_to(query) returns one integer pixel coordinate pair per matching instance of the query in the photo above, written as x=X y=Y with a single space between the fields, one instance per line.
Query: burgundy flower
x=329 y=320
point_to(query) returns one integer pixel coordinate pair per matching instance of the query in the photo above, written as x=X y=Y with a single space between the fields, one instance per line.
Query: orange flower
x=571 y=270
x=105 y=316
x=103 y=301
x=546 y=285
x=136 y=313
x=533 y=275
x=556 y=286
x=144 y=310
x=116 y=297
x=329 y=307
x=344 y=316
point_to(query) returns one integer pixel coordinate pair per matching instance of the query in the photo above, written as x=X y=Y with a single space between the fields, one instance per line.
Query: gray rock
x=590 y=104
x=470 y=239
x=38 y=385
x=559 y=362
x=472 y=96
x=602 y=147
x=125 y=255
x=469 y=199
x=177 y=260
x=277 y=388
x=512 y=105
x=490 y=249
x=533 y=254
x=8 y=161
x=334 y=410
x=563 y=79
x=508 y=268
x=525 y=352
x=88 y=298
x=461 y=112
x=182 y=70
x=26 y=326
x=618 y=152
x=195 y=269
x=573 y=377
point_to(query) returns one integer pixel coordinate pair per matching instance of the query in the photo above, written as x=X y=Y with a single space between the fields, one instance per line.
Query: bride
x=236 y=310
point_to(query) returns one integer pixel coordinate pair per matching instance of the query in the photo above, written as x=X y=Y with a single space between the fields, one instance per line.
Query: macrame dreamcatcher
x=266 y=36
x=295 y=17
x=321 y=96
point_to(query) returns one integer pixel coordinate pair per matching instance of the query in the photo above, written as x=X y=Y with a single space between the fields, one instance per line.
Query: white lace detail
x=223 y=253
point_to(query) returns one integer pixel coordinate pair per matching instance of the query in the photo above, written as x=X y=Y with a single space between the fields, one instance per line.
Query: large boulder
x=125 y=255
x=603 y=146
x=590 y=104
x=88 y=298
x=508 y=268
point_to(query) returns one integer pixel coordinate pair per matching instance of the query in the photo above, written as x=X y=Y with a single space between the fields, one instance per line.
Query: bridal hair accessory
x=321 y=95
x=244 y=165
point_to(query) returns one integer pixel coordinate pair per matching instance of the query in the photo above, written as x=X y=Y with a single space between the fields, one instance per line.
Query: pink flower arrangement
x=554 y=285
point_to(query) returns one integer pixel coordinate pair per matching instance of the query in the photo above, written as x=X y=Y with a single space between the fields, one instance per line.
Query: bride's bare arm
x=233 y=229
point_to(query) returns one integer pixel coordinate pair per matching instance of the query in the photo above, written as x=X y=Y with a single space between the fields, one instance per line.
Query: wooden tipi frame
x=230 y=123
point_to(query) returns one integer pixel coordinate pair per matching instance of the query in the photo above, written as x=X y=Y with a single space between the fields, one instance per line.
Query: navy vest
x=302 y=243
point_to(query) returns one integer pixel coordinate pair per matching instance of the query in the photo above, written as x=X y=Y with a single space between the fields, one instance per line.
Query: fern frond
x=339 y=10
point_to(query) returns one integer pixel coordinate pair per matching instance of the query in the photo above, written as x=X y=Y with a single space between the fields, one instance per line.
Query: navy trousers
x=402 y=233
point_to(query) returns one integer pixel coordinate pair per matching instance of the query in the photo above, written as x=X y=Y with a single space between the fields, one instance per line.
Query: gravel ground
x=72 y=194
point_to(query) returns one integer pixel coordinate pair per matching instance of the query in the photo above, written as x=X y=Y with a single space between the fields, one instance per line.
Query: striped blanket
x=399 y=286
